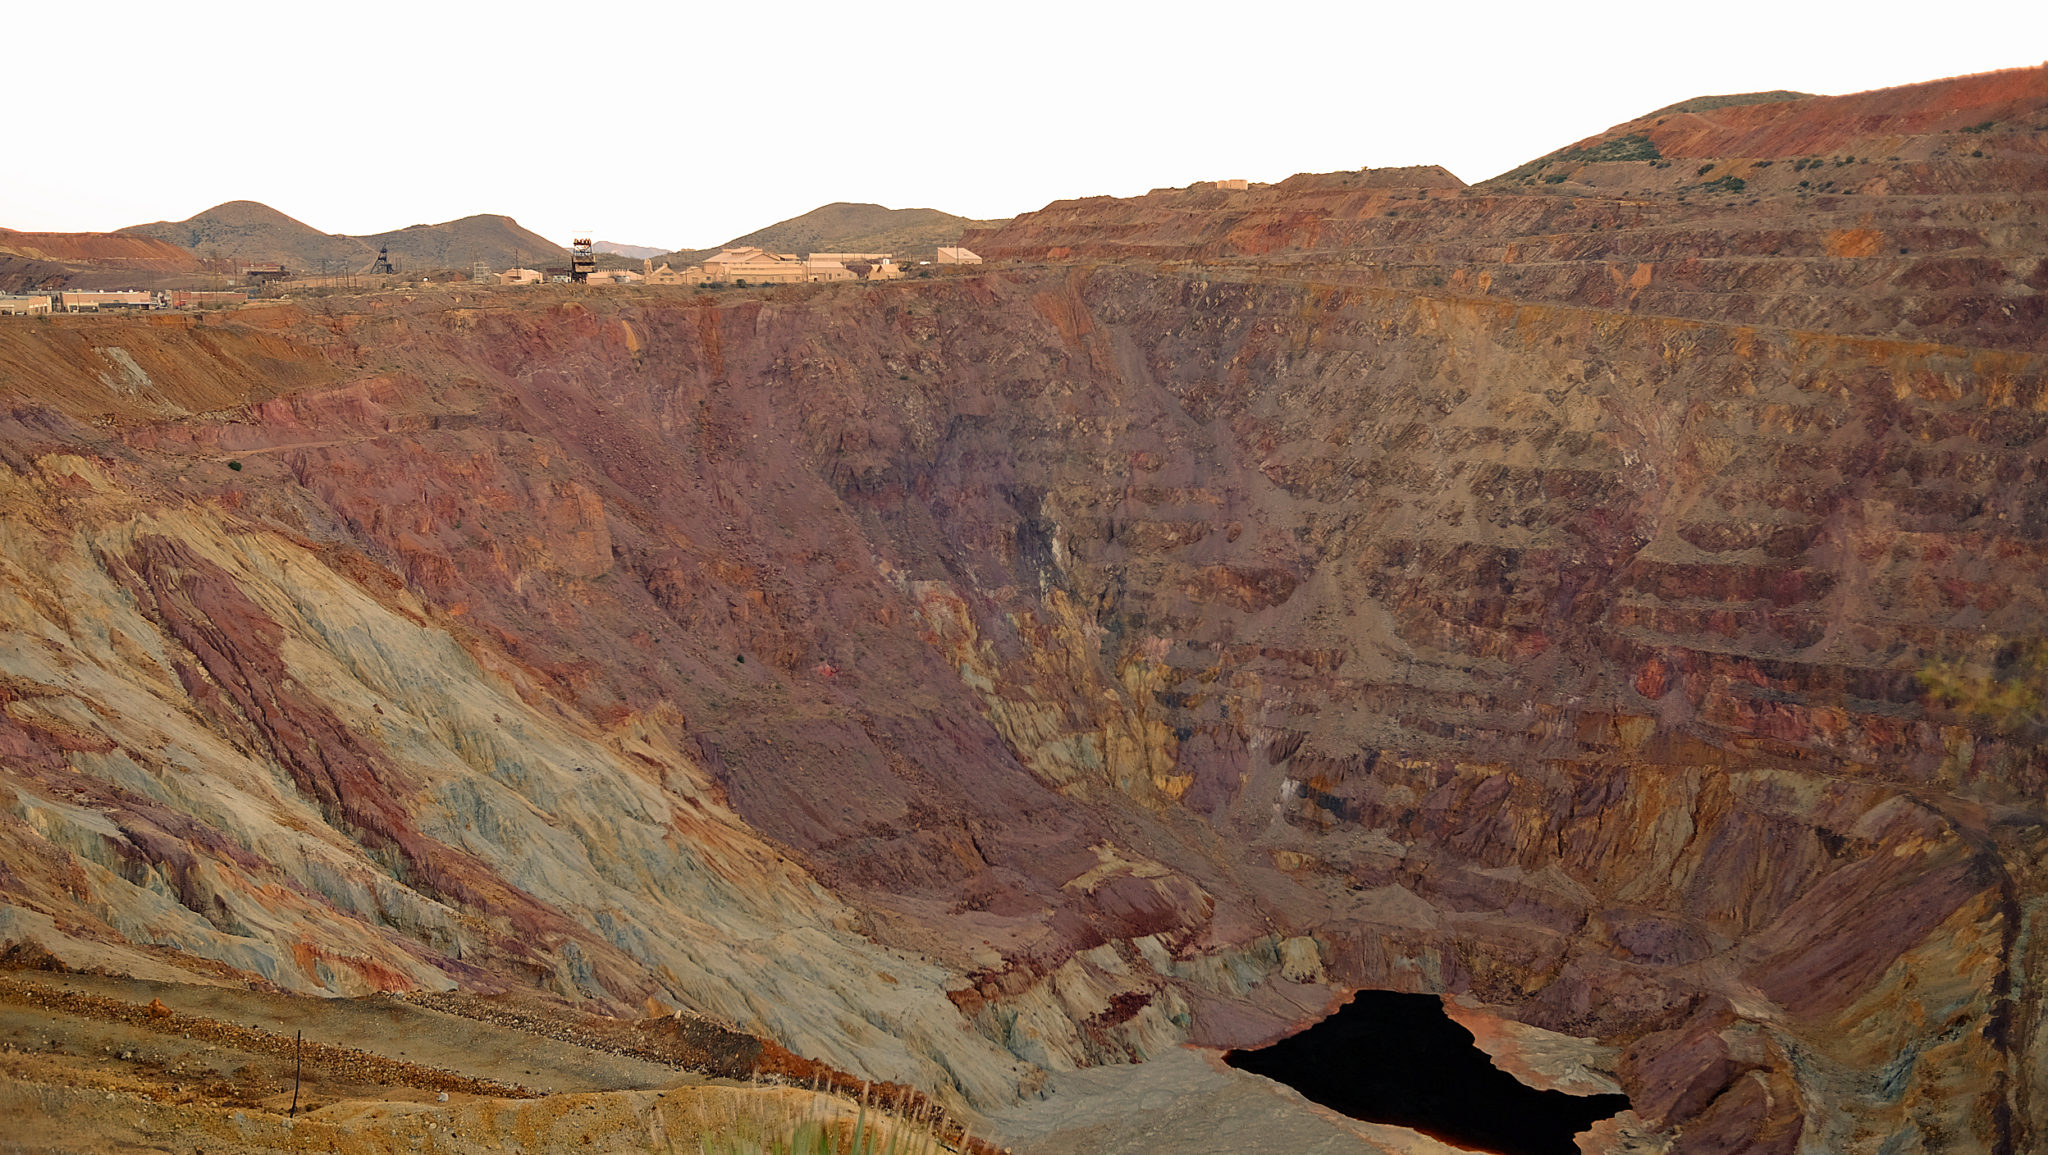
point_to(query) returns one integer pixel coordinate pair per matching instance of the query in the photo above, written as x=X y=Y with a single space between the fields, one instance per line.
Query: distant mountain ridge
x=636 y=252
x=846 y=227
x=249 y=232
x=255 y=233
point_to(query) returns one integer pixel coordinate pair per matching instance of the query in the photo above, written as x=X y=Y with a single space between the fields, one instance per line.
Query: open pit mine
x=1606 y=600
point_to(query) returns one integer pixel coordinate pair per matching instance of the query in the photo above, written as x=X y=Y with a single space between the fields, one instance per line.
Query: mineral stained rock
x=1225 y=601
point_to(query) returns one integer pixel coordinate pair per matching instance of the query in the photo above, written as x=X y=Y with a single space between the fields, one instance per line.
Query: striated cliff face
x=1241 y=599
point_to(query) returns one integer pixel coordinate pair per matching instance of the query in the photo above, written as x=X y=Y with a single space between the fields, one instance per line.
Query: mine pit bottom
x=1397 y=1058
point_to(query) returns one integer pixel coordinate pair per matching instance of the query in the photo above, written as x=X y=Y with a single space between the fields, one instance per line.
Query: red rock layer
x=1827 y=125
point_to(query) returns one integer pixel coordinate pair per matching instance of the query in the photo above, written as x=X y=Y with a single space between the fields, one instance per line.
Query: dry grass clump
x=785 y=1120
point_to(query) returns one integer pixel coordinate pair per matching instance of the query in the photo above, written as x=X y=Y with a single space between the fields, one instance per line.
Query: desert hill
x=1611 y=604
x=842 y=227
x=498 y=241
x=255 y=233
x=1727 y=100
x=88 y=260
x=1893 y=126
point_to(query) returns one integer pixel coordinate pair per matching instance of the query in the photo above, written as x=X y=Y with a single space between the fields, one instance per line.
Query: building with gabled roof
x=759 y=267
x=754 y=265
x=694 y=275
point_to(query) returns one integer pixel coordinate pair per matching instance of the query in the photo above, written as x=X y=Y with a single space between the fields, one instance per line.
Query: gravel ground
x=1187 y=1101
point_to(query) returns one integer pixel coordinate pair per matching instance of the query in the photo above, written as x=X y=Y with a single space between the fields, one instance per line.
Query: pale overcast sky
x=685 y=124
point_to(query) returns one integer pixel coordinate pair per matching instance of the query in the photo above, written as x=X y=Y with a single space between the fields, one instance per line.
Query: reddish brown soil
x=138 y=253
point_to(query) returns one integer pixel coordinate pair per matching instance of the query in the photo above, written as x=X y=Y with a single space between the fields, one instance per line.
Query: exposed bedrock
x=965 y=679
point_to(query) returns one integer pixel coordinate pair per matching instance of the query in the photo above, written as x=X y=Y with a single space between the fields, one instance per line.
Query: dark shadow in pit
x=1393 y=1058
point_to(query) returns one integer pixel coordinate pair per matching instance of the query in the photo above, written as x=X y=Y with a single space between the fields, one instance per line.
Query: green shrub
x=1634 y=146
x=2006 y=686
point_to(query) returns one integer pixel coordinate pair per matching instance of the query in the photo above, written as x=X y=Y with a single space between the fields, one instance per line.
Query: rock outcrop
x=1238 y=599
